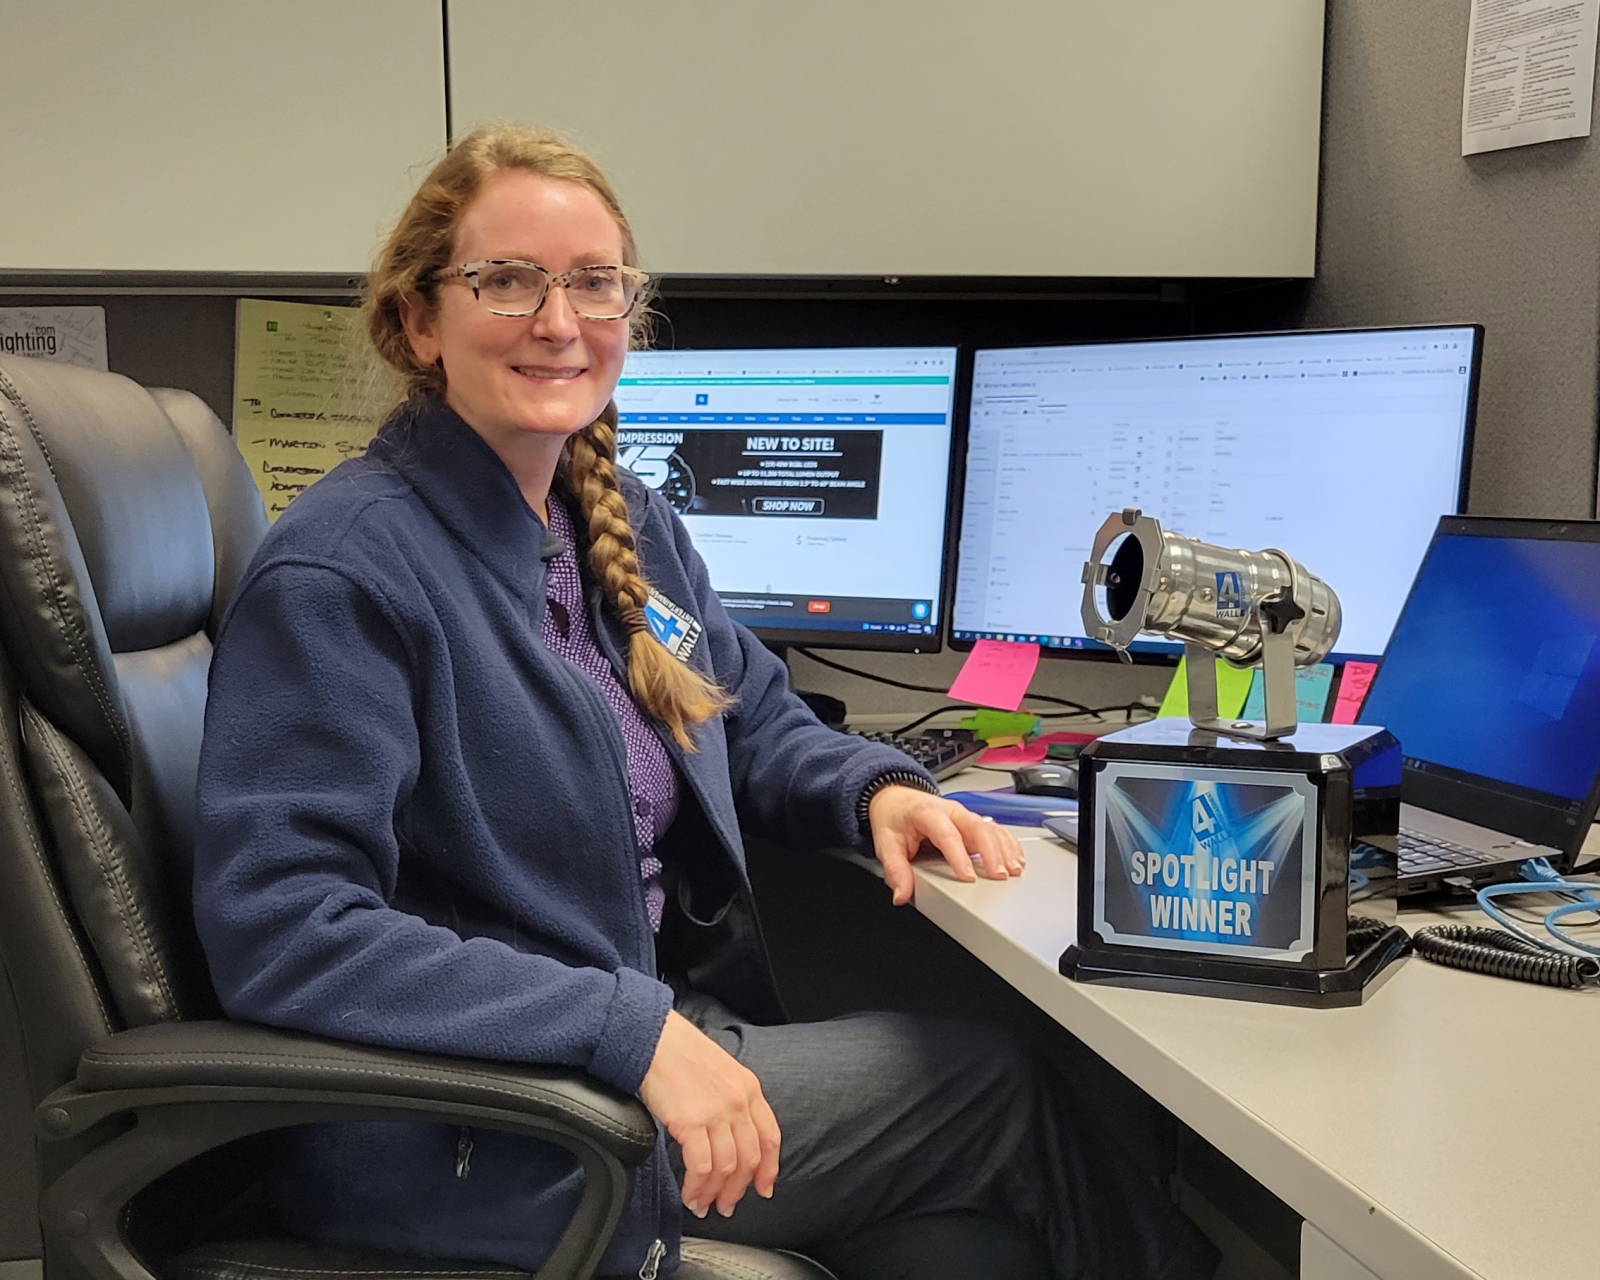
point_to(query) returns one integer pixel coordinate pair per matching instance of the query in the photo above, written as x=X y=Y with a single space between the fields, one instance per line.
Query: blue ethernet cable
x=1540 y=877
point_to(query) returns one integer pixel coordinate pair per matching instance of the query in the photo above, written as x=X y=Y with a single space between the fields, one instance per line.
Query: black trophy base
x=1240 y=979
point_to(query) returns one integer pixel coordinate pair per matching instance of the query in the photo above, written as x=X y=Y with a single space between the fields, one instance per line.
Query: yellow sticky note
x=1233 y=687
x=307 y=393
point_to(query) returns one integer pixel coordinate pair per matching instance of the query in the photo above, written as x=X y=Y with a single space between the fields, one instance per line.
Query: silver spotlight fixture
x=1247 y=607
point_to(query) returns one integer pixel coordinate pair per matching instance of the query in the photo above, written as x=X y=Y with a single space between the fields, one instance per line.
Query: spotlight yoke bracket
x=1246 y=607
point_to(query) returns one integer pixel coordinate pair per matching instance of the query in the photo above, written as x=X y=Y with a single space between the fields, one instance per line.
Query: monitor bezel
x=1094 y=651
x=1539 y=817
x=878 y=641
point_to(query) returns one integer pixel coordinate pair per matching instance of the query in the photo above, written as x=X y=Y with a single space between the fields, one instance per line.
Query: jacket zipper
x=612 y=732
x=650 y=1192
x=676 y=754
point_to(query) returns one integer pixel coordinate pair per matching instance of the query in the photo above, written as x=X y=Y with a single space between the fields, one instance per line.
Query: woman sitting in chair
x=455 y=796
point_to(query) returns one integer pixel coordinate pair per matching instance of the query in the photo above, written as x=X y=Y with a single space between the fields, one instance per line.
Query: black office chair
x=126 y=520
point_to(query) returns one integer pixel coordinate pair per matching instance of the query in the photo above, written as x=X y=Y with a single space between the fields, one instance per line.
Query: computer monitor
x=1341 y=448
x=813 y=482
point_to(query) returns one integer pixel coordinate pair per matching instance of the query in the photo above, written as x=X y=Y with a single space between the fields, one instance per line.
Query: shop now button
x=786 y=506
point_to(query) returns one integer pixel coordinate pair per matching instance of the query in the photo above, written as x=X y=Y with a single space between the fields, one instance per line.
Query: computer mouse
x=1046 y=779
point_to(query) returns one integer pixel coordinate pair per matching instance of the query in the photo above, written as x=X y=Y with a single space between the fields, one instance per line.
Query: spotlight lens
x=1123 y=576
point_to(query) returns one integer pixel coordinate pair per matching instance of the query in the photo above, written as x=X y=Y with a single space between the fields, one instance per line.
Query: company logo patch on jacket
x=672 y=626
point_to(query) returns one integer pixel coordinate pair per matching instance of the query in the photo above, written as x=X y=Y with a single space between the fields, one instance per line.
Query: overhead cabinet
x=1163 y=138
x=196 y=136
x=927 y=137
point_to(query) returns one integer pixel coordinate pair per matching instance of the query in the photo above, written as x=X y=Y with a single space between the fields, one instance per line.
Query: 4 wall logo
x=1204 y=859
x=1230 y=595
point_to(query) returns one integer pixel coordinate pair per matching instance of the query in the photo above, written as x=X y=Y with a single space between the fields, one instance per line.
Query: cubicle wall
x=1080 y=139
x=1412 y=232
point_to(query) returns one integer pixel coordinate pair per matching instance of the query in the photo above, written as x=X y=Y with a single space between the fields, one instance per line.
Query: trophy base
x=1235 y=979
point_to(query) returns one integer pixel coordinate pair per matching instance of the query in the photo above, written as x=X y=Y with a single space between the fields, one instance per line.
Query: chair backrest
x=126 y=520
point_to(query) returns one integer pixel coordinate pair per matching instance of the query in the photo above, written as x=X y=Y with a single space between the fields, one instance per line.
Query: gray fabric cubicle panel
x=1412 y=232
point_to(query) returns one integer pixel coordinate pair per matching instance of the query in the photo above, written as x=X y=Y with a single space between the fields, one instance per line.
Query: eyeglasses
x=509 y=287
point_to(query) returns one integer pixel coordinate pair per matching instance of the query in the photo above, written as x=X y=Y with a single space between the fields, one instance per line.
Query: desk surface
x=1436 y=1131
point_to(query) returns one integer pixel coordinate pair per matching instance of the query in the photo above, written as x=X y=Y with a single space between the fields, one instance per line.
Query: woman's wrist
x=888 y=778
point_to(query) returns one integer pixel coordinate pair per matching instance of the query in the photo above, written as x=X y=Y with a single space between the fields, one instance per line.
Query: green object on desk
x=1233 y=686
x=987 y=724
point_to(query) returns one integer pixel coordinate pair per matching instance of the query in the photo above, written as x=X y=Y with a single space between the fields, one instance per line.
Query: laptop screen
x=1491 y=680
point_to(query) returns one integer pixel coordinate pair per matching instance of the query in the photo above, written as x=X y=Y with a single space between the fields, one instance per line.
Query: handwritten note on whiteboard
x=304 y=397
x=1530 y=72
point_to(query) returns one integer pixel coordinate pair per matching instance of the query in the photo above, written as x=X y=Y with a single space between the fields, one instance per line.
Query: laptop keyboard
x=1425 y=855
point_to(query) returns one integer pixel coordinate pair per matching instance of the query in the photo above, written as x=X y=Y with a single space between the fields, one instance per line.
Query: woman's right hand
x=714 y=1109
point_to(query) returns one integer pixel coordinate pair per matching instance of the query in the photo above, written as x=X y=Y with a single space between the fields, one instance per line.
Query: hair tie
x=633 y=618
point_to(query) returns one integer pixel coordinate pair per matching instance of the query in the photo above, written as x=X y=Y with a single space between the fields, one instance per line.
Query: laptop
x=1491 y=682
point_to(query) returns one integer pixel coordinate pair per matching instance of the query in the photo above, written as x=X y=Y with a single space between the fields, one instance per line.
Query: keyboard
x=940 y=751
x=1424 y=855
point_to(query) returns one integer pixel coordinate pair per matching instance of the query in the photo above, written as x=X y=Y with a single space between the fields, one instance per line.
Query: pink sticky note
x=1352 y=689
x=996 y=674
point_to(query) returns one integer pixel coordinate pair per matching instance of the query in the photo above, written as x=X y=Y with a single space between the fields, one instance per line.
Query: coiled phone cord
x=1503 y=955
x=1511 y=951
x=1362 y=931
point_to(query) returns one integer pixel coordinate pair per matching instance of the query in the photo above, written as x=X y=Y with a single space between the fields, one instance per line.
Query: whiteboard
x=192 y=135
x=926 y=137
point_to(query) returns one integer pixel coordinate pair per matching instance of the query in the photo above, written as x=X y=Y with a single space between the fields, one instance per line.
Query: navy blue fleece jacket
x=414 y=826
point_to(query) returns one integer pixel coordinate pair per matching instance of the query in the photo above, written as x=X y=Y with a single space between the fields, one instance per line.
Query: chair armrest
x=196 y=1059
x=195 y=1086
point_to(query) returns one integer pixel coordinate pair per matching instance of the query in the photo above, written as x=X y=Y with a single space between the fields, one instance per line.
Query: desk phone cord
x=1513 y=951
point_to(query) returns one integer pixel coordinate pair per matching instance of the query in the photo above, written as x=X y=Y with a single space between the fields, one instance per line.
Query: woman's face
x=549 y=374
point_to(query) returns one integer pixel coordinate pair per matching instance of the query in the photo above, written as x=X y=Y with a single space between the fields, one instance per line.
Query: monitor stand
x=828 y=709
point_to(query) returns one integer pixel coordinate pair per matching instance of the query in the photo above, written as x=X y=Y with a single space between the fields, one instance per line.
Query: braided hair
x=674 y=692
x=419 y=245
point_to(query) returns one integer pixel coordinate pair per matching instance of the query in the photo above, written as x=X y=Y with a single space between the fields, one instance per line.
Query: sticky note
x=996 y=674
x=1233 y=686
x=1311 y=686
x=1352 y=689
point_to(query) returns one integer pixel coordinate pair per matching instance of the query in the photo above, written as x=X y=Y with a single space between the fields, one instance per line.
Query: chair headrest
x=238 y=520
x=105 y=543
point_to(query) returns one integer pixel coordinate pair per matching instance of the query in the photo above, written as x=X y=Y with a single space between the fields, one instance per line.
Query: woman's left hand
x=903 y=819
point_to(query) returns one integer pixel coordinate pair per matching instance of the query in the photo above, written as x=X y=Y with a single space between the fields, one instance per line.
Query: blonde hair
x=421 y=244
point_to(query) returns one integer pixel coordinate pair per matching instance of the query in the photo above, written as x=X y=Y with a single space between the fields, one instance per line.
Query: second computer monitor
x=1342 y=449
x=814 y=482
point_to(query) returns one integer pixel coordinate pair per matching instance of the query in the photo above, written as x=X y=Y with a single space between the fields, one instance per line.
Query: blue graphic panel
x=1219 y=861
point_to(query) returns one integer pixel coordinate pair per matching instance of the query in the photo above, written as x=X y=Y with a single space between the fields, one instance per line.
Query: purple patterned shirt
x=652 y=781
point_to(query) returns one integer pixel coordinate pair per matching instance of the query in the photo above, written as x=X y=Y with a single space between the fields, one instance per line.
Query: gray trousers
x=940 y=1150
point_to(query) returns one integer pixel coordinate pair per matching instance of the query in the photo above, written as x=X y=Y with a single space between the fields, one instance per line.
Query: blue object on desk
x=1006 y=805
x=1064 y=829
